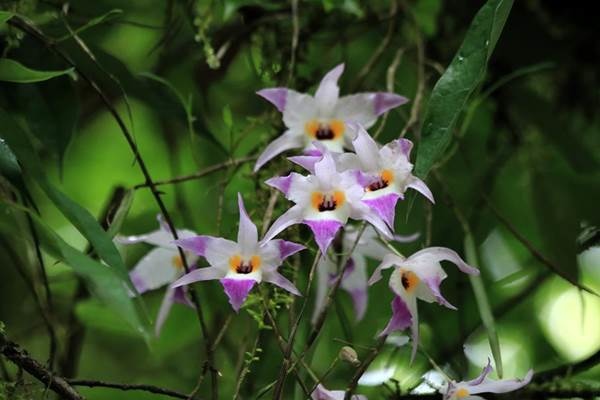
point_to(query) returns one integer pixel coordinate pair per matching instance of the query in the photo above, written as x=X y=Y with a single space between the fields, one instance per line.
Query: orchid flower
x=383 y=172
x=355 y=276
x=324 y=201
x=324 y=116
x=320 y=393
x=239 y=265
x=416 y=277
x=482 y=384
x=161 y=266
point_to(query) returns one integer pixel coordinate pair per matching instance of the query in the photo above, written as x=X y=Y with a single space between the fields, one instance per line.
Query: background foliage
x=515 y=173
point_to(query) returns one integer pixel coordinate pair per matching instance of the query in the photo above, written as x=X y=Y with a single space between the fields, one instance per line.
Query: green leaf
x=13 y=71
x=103 y=282
x=118 y=217
x=52 y=122
x=81 y=218
x=483 y=304
x=112 y=14
x=453 y=89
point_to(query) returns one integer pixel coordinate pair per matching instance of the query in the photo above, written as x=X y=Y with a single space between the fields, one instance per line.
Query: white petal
x=328 y=91
x=288 y=140
x=367 y=150
x=247 y=232
x=299 y=109
x=389 y=260
x=165 y=308
x=501 y=386
x=325 y=268
x=432 y=255
x=421 y=187
x=290 y=217
x=201 y=274
x=157 y=268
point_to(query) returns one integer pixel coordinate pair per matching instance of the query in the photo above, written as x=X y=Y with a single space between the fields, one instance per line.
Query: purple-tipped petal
x=286 y=141
x=196 y=244
x=237 y=290
x=138 y=282
x=385 y=207
x=180 y=296
x=401 y=317
x=306 y=161
x=324 y=231
x=200 y=274
x=286 y=248
x=433 y=283
x=277 y=279
x=384 y=102
x=484 y=373
x=405 y=146
x=276 y=96
x=281 y=183
x=247 y=232
x=422 y=188
x=501 y=386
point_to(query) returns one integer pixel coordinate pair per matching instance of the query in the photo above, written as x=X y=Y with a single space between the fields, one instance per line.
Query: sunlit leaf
x=463 y=75
x=5 y=16
x=13 y=71
x=80 y=217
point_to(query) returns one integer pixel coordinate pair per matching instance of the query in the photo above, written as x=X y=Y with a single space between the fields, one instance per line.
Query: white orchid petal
x=200 y=274
x=247 y=232
x=287 y=141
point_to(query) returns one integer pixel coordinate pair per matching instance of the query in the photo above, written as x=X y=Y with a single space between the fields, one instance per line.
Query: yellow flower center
x=328 y=202
x=331 y=130
x=177 y=262
x=385 y=178
x=409 y=280
x=462 y=392
x=242 y=266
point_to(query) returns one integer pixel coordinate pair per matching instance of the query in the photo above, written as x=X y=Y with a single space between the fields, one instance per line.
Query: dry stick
x=416 y=105
x=48 y=310
x=35 y=32
x=200 y=174
x=295 y=36
x=364 y=365
x=127 y=386
x=17 y=355
x=360 y=77
x=390 y=78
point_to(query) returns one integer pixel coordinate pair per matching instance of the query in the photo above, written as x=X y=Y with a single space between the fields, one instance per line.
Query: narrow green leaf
x=13 y=71
x=118 y=217
x=483 y=305
x=81 y=218
x=453 y=89
x=102 y=281
x=112 y=14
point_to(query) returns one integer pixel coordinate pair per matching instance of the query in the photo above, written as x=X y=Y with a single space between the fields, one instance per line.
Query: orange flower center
x=385 y=178
x=244 y=266
x=462 y=392
x=331 y=130
x=409 y=280
x=177 y=262
x=328 y=202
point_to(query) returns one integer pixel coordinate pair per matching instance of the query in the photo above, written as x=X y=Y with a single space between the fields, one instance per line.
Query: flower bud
x=349 y=355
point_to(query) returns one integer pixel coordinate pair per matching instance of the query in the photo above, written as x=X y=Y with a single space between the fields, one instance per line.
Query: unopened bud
x=349 y=355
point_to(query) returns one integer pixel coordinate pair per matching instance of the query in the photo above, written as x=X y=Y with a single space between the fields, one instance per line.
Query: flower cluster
x=349 y=176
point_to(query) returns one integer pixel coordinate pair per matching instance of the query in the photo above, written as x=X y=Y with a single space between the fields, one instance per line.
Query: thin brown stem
x=363 y=366
x=128 y=387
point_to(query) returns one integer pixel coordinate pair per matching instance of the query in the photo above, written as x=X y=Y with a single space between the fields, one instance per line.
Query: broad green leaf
x=483 y=304
x=81 y=218
x=9 y=166
x=453 y=89
x=52 y=122
x=120 y=213
x=102 y=281
x=13 y=71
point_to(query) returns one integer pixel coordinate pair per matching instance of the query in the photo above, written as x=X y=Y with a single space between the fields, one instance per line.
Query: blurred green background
x=528 y=142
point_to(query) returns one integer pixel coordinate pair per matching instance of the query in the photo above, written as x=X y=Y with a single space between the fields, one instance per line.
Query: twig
x=21 y=358
x=534 y=252
x=200 y=174
x=364 y=365
x=295 y=36
x=416 y=105
x=127 y=386
x=35 y=32
x=569 y=369
x=390 y=86
x=360 y=77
